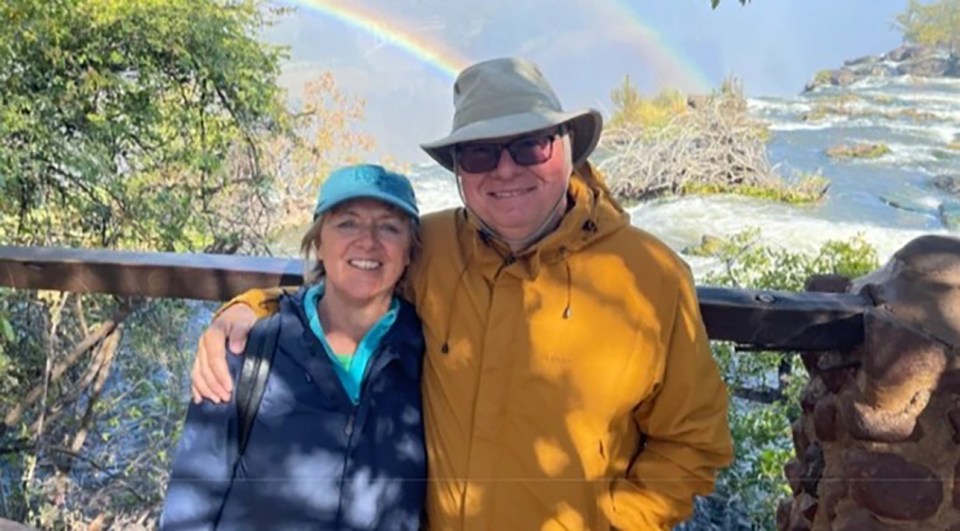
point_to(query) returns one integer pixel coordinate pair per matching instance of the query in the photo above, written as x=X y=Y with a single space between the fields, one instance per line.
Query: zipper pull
x=348 y=429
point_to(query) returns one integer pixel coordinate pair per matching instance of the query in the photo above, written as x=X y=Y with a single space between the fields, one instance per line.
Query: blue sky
x=774 y=46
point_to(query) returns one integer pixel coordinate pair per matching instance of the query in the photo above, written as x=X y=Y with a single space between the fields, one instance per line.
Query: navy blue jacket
x=313 y=460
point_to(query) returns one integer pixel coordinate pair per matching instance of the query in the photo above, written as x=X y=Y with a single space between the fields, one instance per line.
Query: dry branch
x=713 y=146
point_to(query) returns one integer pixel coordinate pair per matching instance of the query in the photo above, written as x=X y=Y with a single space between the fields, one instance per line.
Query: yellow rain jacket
x=569 y=386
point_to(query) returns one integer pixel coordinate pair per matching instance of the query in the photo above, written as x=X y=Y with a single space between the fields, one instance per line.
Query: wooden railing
x=766 y=320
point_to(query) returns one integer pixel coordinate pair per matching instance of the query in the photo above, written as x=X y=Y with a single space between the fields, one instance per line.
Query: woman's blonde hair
x=313 y=271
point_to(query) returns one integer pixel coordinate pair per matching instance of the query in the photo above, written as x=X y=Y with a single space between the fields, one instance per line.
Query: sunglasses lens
x=531 y=150
x=479 y=158
x=525 y=151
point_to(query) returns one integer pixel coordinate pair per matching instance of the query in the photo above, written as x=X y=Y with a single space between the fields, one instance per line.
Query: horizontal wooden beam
x=172 y=275
x=779 y=320
x=757 y=319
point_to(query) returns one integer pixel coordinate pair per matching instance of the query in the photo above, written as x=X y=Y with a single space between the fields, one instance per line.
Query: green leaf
x=6 y=330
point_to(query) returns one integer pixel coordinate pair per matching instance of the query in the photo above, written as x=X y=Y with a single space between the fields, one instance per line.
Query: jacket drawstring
x=445 y=348
x=448 y=324
x=567 y=310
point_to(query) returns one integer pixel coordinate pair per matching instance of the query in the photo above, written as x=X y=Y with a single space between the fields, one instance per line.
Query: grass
x=809 y=188
x=858 y=151
x=650 y=114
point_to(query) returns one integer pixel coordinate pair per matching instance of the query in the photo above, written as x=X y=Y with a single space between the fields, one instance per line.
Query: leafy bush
x=766 y=386
x=631 y=109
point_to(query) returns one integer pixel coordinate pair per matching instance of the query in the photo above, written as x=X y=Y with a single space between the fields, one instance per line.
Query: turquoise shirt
x=350 y=375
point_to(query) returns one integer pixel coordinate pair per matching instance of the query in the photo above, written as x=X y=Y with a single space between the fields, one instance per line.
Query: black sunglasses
x=527 y=150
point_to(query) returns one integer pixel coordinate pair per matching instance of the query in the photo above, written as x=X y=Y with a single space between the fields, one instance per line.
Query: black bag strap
x=257 y=362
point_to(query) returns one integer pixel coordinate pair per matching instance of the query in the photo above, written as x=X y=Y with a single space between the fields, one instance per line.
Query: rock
x=915 y=60
x=953 y=68
x=812 y=471
x=921 y=285
x=899 y=361
x=881 y=70
x=954 y=416
x=892 y=487
x=860 y=521
x=904 y=52
x=868 y=423
x=783 y=514
x=928 y=67
x=800 y=439
x=840 y=77
x=825 y=420
x=949 y=213
x=956 y=486
x=709 y=246
x=832 y=491
x=793 y=471
x=860 y=61
x=947 y=183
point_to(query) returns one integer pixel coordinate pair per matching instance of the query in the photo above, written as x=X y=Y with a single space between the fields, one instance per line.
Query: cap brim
x=586 y=126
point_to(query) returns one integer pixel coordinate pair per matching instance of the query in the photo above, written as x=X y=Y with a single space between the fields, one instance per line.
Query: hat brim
x=586 y=126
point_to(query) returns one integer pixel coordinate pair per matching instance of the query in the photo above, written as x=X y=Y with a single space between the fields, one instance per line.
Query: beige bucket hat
x=506 y=97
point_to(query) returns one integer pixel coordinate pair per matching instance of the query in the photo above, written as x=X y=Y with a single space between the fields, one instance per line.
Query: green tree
x=138 y=125
x=117 y=117
x=932 y=24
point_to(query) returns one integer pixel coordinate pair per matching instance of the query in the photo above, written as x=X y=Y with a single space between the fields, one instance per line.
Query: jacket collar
x=402 y=342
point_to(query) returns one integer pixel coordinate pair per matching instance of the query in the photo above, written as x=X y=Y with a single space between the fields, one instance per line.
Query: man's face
x=513 y=199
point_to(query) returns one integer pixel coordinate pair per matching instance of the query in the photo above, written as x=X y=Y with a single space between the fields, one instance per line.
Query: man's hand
x=211 y=377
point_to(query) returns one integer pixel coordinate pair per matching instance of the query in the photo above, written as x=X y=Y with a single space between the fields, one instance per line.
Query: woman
x=337 y=440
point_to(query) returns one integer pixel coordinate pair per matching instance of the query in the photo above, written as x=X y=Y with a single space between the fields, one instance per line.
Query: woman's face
x=364 y=245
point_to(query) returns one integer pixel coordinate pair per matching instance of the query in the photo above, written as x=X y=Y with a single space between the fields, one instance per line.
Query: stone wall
x=878 y=444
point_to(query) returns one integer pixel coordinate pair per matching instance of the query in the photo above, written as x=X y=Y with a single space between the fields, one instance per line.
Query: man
x=568 y=382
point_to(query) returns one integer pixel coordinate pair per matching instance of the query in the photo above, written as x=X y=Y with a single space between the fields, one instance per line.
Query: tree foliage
x=139 y=125
x=766 y=386
x=931 y=24
x=118 y=116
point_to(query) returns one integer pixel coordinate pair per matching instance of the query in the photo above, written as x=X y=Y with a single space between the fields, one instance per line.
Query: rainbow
x=432 y=52
x=670 y=66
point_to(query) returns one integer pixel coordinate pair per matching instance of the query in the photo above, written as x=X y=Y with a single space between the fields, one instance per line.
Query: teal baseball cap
x=366 y=181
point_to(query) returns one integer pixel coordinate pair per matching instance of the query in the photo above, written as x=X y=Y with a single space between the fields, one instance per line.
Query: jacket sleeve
x=203 y=465
x=684 y=422
x=264 y=302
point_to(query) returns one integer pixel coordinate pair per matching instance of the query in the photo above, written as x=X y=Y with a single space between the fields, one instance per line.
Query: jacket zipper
x=349 y=429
